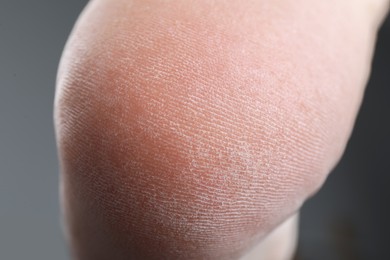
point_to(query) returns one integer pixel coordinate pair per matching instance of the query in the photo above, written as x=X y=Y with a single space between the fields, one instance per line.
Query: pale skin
x=196 y=129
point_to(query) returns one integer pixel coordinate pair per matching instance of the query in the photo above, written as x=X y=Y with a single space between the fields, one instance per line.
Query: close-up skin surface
x=193 y=129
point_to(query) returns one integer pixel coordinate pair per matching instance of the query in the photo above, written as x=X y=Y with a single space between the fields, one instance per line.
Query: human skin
x=193 y=129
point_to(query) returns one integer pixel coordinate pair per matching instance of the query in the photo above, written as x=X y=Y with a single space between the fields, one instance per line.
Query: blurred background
x=347 y=219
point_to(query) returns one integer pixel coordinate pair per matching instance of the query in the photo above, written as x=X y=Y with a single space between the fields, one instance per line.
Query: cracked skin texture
x=191 y=133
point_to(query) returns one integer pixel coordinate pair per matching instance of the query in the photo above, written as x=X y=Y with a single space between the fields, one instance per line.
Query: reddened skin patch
x=192 y=130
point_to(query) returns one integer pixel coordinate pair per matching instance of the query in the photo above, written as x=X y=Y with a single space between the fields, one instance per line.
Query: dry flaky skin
x=191 y=129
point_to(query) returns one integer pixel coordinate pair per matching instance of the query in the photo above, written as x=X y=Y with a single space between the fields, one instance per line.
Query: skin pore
x=193 y=129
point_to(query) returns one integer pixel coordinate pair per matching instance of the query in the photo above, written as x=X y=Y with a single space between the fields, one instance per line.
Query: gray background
x=346 y=220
